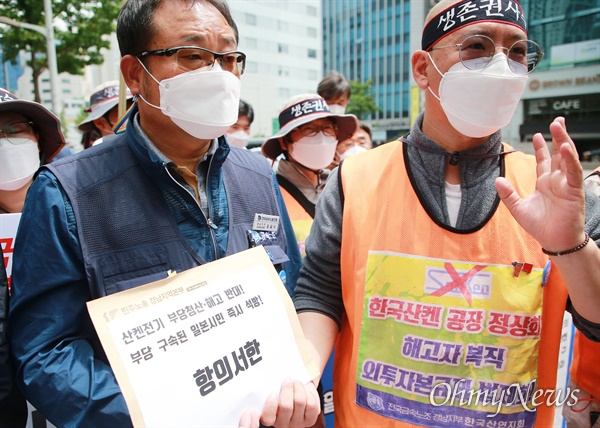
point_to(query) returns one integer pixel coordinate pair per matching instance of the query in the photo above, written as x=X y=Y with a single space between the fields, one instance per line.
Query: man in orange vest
x=440 y=265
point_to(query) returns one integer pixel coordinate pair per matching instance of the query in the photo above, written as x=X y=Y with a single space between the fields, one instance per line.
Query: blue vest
x=128 y=234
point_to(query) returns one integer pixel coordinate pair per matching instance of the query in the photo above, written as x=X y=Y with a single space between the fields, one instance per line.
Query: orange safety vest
x=383 y=218
x=301 y=220
x=585 y=368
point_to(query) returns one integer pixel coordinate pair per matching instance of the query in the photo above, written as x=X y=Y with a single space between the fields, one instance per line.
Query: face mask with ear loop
x=354 y=150
x=204 y=103
x=337 y=109
x=19 y=160
x=238 y=138
x=315 y=152
x=479 y=102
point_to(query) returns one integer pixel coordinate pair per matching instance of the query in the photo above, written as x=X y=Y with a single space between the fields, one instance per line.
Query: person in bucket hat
x=29 y=136
x=306 y=141
x=103 y=113
x=46 y=125
x=301 y=110
x=308 y=137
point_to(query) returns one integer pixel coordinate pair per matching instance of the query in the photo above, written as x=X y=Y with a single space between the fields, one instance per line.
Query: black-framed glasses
x=190 y=58
x=477 y=51
x=13 y=131
x=311 y=129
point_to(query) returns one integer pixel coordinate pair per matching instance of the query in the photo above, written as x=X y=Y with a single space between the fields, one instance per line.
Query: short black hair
x=246 y=110
x=363 y=125
x=134 y=23
x=333 y=86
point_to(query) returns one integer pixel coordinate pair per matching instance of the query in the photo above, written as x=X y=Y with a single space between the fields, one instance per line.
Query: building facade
x=70 y=93
x=10 y=73
x=567 y=81
x=283 y=43
x=372 y=40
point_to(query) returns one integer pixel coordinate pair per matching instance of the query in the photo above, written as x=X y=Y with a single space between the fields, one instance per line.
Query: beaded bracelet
x=572 y=250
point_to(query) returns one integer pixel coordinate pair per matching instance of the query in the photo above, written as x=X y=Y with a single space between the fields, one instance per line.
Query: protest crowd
x=433 y=266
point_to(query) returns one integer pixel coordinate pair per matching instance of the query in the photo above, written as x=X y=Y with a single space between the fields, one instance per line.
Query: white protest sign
x=9 y=223
x=201 y=347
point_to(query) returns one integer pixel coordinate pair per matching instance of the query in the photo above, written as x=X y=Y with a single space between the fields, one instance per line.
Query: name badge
x=266 y=222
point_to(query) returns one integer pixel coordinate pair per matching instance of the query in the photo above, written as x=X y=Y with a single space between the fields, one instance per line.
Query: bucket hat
x=105 y=97
x=46 y=124
x=301 y=109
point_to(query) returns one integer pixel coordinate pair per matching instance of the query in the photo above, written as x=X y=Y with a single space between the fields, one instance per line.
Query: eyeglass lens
x=523 y=56
x=311 y=130
x=12 y=132
x=192 y=59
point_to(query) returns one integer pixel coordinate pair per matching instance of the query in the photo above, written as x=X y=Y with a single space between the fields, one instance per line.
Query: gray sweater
x=319 y=288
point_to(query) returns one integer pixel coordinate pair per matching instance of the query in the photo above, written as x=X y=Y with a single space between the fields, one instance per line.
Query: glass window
x=282 y=48
x=250 y=19
x=283 y=71
x=311 y=32
x=312 y=53
x=282 y=26
x=251 y=67
x=311 y=11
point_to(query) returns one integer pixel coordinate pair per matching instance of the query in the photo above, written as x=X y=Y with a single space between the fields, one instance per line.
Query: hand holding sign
x=206 y=344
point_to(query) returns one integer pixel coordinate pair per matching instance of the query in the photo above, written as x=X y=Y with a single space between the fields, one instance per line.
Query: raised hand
x=554 y=214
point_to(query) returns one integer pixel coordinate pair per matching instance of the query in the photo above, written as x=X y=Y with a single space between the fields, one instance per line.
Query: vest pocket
x=276 y=254
x=129 y=270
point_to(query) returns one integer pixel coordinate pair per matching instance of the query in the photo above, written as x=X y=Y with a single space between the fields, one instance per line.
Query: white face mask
x=204 y=103
x=337 y=109
x=314 y=152
x=238 y=138
x=478 y=103
x=18 y=162
x=354 y=150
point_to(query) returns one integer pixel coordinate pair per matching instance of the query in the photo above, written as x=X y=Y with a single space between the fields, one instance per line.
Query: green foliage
x=80 y=28
x=361 y=103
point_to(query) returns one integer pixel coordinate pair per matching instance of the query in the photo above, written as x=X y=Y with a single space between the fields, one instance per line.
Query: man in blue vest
x=168 y=193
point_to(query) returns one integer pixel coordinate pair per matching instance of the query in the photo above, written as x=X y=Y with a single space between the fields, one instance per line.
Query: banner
x=202 y=346
x=9 y=224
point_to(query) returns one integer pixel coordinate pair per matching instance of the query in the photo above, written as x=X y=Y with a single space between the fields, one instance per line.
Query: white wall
x=272 y=76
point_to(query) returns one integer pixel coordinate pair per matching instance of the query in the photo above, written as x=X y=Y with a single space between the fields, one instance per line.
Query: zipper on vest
x=209 y=206
x=209 y=222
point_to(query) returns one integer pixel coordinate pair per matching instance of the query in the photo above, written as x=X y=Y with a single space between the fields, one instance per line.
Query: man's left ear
x=131 y=69
x=419 y=68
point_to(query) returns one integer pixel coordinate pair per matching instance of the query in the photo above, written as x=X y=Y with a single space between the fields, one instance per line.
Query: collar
x=430 y=159
x=214 y=145
x=288 y=170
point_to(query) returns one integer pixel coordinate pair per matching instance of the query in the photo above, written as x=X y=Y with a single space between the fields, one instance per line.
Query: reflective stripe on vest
x=416 y=284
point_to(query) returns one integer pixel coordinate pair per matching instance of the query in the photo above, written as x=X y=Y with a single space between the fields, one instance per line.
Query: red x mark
x=458 y=281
